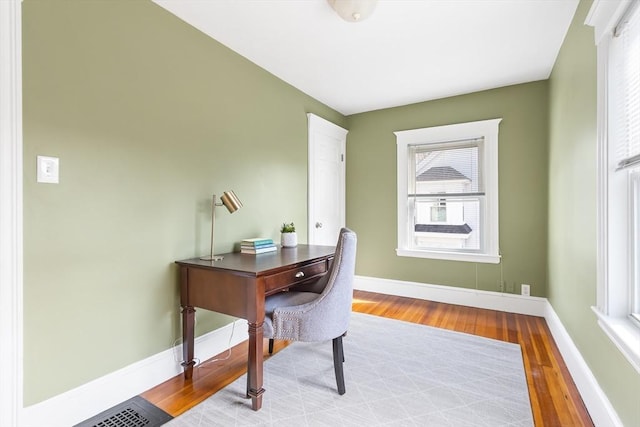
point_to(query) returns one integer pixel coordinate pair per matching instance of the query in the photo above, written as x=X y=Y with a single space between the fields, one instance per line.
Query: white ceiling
x=408 y=51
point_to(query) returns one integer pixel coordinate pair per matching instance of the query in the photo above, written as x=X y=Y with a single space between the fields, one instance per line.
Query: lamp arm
x=213 y=221
x=232 y=203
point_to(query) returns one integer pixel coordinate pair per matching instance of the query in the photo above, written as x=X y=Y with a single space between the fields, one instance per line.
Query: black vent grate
x=135 y=412
x=125 y=418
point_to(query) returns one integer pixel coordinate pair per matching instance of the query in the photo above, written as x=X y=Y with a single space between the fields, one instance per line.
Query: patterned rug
x=396 y=374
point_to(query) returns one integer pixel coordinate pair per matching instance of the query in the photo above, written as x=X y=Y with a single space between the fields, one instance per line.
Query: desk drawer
x=294 y=276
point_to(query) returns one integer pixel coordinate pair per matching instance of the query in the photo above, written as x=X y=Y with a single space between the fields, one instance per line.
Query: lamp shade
x=231 y=201
x=353 y=10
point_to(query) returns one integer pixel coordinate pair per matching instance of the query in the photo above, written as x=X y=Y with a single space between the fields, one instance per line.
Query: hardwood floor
x=554 y=398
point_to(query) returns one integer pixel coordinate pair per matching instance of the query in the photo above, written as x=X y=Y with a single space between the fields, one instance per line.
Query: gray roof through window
x=443 y=228
x=441 y=173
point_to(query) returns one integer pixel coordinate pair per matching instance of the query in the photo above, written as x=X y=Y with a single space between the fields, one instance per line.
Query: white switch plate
x=48 y=169
x=525 y=290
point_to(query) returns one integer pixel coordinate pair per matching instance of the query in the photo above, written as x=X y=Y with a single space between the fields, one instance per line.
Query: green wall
x=372 y=195
x=149 y=117
x=572 y=216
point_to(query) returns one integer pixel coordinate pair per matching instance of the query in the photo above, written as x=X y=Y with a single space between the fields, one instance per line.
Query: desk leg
x=254 y=369
x=188 y=330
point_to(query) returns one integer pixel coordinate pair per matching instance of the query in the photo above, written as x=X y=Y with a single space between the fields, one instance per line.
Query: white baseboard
x=96 y=396
x=597 y=403
x=511 y=303
x=600 y=409
x=81 y=403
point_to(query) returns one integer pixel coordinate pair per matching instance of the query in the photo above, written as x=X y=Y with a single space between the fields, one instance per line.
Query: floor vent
x=135 y=412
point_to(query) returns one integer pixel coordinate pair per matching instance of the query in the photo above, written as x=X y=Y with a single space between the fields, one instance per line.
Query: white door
x=327 y=143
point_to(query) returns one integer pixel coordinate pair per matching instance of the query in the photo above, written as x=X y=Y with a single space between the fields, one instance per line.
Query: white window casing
x=617 y=195
x=487 y=131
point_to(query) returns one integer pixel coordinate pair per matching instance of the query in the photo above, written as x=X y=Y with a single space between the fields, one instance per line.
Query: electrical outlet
x=48 y=169
x=525 y=290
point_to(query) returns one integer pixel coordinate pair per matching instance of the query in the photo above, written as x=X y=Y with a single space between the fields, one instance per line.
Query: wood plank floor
x=554 y=398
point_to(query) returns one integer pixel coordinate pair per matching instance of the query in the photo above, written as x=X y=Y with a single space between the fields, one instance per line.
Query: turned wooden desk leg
x=188 y=330
x=254 y=368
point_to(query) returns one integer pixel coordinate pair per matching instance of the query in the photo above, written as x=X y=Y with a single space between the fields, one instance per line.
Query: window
x=448 y=192
x=624 y=143
x=439 y=211
x=618 y=300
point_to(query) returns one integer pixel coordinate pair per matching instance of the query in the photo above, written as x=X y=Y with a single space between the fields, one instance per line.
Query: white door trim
x=11 y=399
x=317 y=124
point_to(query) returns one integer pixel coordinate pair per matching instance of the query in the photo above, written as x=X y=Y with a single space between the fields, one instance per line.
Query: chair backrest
x=326 y=315
x=336 y=298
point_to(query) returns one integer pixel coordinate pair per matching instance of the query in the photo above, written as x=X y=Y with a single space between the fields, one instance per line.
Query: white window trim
x=610 y=309
x=484 y=128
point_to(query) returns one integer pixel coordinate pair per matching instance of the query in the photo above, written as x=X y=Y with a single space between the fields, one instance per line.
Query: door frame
x=11 y=194
x=318 y=125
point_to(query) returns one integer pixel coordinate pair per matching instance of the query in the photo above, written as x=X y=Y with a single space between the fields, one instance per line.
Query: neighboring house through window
x=448 y=192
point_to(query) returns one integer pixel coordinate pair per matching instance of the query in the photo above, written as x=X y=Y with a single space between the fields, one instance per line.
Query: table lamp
x=232 y=203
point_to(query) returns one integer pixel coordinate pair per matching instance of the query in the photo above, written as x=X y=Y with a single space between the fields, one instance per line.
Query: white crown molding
x=595 y=400
x=604 y=16
x=81 y=403
x=10 y=212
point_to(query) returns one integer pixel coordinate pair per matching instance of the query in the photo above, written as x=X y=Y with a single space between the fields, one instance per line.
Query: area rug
x=396 y=374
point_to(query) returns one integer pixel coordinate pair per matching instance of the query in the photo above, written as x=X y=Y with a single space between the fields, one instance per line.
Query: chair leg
x=338 y=359
x=270 y=345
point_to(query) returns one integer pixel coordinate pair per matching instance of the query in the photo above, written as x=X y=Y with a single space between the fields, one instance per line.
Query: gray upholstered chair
x=321 y=312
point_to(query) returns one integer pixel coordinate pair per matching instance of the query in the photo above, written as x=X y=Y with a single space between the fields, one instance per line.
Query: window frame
x=634 y=297
x=614 y=293
x=486 y=129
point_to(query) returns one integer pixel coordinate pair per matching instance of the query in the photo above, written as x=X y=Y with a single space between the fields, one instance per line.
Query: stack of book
x=257 y=245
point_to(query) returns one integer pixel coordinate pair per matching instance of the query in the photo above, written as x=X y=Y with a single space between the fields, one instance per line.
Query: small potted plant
x=288 y=236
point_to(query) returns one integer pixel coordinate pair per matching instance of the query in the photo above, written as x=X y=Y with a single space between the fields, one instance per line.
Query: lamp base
x=211 y=258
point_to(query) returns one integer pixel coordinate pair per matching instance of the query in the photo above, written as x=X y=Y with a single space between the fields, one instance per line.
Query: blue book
x=257 y=242
x=256 y=251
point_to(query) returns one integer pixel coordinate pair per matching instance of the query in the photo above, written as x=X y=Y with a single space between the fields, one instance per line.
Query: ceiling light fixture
x=353 y=10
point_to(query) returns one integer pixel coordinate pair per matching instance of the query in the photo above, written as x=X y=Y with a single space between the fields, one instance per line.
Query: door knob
x=318 y=225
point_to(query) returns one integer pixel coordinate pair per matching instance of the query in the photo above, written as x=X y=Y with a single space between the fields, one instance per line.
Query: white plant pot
x=289 y=240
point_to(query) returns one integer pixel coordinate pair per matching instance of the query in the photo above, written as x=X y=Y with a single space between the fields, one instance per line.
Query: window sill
x=624 y=334
x=449 y=256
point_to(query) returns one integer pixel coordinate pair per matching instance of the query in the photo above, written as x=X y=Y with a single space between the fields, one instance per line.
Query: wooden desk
x=237 y=285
